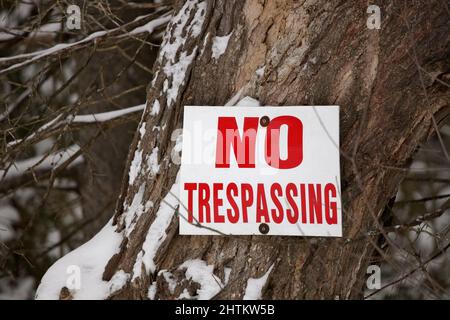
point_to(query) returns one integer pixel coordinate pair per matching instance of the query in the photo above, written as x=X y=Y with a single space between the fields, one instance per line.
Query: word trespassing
x=298 y=203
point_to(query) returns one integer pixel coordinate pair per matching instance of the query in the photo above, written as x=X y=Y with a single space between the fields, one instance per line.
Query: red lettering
x=261 y=205
x=244 y=149
x=315 y=203
x=217 y=202
x=232 y=191
x=303 y=201
x=330 y=206
x=291 y=192
x=275 y=192
x=203 y=203
x=190 y=187
x=246 y=199
x=294 y=143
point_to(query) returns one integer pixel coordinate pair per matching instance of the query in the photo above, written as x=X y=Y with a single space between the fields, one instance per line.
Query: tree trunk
x=389 y=84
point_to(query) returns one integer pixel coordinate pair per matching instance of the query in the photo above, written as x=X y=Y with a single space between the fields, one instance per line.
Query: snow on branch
x=57 y=122
x=106 y=116
x=120 y=31
x=42 y=162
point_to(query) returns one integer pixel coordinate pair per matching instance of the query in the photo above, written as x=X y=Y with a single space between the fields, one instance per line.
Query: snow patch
x=118 y=281
x=152 y=162
x=142 y=130
x=170 y=280
x=198 y=271
x=134 y=211
x=135 y=165
x=260 y=71
x=91 y=258
x=156 y=108
x=219 y=46
x=227 y=272
x=178 y=72
x=253 y=291
x=185 y=295
x=152 y=291
x=176 y=150
x=248 y=102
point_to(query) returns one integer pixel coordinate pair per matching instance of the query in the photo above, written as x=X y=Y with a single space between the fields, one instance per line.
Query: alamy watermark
x=73 y=21
x=374 y=280
x=374 y=19
x=73 y=281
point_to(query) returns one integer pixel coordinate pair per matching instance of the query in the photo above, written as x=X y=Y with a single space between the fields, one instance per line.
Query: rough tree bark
x=390 y=84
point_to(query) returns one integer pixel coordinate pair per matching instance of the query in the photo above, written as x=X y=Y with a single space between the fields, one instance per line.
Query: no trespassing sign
x=260 y=170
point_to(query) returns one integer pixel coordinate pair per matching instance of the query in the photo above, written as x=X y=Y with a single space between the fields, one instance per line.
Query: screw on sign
x=271 y=170
x=264 y=228
x=264 y=121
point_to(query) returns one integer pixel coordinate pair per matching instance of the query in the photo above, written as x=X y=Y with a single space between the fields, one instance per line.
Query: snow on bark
x=248 y=102
x=176 y=67
x=260 y=72
x=200 y=272
x=254 y=288
x=177 y=136
x=157 y=232
x=135 y=165
x=219 y=46
x=91 y=259
x=178 y=72
x=152 y=291
x=134 y=210
x=174 y=61
x=169 y=279
x=155 y=109
x=152 y=162
x=118 y=281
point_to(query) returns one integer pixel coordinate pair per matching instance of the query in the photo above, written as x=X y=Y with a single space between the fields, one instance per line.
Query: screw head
x=264 y=121
x=264 y=228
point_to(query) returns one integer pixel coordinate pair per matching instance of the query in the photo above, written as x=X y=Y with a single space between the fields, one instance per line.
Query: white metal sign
x=260 y=170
